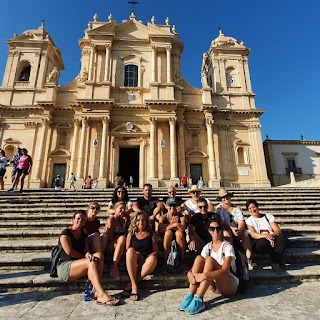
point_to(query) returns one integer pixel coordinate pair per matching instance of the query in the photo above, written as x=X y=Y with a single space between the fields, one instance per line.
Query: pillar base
x=102 y=183
x=36 y=184
x=174 y=182
x=214 y=183
x=154 y=182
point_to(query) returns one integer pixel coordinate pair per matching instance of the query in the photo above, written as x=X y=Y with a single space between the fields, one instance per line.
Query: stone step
x=10 y=245
x=23 y=233
x=61 y=223
x=31 y=278
x=25 y=259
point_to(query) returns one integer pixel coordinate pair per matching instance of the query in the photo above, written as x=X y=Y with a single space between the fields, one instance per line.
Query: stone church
x=130 y=110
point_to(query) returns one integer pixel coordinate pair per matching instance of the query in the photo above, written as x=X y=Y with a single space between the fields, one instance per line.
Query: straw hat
x=194 y=188
x=223 y=192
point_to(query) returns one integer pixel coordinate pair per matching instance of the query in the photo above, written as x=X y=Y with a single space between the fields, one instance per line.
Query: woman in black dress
x=141 y=256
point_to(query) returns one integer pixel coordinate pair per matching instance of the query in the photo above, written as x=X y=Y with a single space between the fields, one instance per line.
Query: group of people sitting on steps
x=138 y=230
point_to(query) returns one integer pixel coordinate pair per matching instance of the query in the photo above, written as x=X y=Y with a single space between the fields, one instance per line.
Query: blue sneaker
x=186 y=301
x=196 y=305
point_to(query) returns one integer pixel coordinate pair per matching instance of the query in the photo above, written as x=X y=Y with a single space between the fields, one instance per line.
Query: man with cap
x=172 y=225
x=191 y=205
x=172 y=196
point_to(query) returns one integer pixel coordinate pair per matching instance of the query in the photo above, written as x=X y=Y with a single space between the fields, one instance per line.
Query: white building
x=302 y=157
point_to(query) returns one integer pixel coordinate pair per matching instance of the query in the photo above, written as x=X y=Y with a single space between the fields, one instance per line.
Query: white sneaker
x=251 y=265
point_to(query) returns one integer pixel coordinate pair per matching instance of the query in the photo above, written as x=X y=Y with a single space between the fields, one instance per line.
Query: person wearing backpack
x=215 y=266
x=266 y=236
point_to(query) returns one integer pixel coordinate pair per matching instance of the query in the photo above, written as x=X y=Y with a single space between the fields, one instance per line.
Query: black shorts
x=22 y=171
x=2 y=173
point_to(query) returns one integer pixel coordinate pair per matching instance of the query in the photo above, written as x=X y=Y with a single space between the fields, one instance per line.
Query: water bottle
x=87 y=290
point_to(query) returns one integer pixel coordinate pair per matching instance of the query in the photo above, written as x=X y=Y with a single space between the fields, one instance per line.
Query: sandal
x=109 y=302
x=126 y=293
x=134 y=296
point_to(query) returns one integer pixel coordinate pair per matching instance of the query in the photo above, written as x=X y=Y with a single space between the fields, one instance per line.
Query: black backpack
x=242 y=271
x=55 y=255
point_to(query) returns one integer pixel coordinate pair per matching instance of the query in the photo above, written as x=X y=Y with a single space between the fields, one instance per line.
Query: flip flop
x=134 y=296
x=125 y=293
x=109 y=302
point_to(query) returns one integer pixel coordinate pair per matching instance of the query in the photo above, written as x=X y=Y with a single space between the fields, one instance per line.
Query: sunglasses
x=195 y=192
x=95 y=208
x=203 y=207
x=121 y=191
x=215 y=228
x=170 y=192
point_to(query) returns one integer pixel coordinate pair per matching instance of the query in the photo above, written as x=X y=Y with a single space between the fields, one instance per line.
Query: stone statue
x=53 y=75
x=83 y=76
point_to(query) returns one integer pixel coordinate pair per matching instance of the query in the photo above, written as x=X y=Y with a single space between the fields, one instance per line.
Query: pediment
x=196 y=153
x=12 y=141
x=132 y=29
x=127 y=127
x=105 y=29
x=60 y=153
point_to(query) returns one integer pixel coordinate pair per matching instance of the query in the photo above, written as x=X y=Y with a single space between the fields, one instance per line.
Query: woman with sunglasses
x=215 y=266
x=91 y=229
x=116 y=228
x=141 y=255
x=76 y=261
x=120 y=194
x=233 y=218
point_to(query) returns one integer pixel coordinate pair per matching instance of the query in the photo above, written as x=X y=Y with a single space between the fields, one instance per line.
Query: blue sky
x=282 y=34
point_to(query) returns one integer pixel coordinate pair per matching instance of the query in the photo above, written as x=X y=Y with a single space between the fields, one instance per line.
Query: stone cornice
x=162 y=102
x=292 y=142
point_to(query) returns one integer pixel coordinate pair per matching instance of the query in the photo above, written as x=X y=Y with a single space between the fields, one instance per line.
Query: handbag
x=55 y=256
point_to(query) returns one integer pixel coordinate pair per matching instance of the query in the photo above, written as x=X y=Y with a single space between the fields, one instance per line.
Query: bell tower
x=33 y=61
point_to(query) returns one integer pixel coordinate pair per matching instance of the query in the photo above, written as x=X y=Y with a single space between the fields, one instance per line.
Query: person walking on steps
x=23 y=169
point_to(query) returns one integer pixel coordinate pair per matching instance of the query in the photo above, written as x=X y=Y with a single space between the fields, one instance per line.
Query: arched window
x=25 y=70
x=240 y=153
x=131 y=76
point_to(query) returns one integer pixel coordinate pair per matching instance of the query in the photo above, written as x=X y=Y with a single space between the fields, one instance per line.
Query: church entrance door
x=59 y=169
x=129 y=164
x=195 y=172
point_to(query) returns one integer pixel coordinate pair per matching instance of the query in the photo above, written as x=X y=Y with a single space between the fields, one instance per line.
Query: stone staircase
x=31 y=222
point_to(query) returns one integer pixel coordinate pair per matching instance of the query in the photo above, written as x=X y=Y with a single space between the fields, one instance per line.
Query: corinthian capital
x=209 y=122
x=105 y=119
x=172 y=121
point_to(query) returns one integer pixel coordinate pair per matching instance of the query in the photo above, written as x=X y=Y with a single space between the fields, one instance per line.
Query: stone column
x=153 y=124
x=104 y=147
x=81 y=147
x=41 y=146
x=211 y=160
x=181 y=148
x=173 y=148
x=91 y=63
x=74 y=144
x=107 y=65
x=247 y=74
x=142 y=163
x=168 y=52
x=153 y=64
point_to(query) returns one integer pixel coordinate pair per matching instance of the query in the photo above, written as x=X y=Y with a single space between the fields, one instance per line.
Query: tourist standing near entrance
x=72 y=181
x=88 y=183
x=184 y=181
x=118 y=180
x=15 y=162
x=152 y=206
x=24 y=168
x=4 y=162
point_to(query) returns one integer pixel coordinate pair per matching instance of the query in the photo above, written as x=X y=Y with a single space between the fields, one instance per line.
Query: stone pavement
x=283 y=301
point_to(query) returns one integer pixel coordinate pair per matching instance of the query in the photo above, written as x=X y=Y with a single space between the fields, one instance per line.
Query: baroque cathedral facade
x=129 y=110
